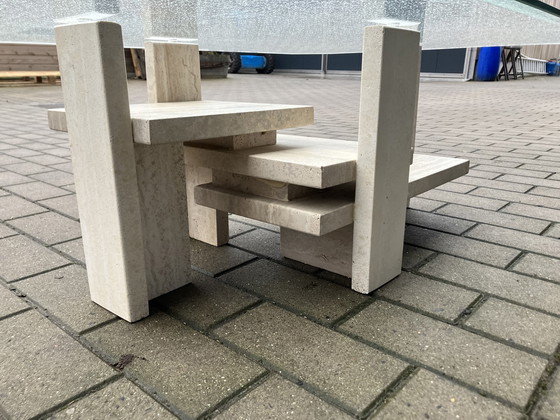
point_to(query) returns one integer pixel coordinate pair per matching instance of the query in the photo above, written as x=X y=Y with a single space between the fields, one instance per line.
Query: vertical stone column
x=173 y=75
x=91 y=58
x=386 y=131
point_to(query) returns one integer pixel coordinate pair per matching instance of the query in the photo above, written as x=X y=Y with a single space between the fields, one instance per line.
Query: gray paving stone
x=546 y=191
x=304 y=293
x=549 y=407
x=50 y=228
x=237 y=228
x=342 y=369
x=264 y=242
x=456 y=187
x=438 y=222
x=42 y=366
x=460 y=246
x=6 y=159
x=74 y=249
x=493 y=184
x=205 y=301
x=11 y=178
x=66 y=205
x=255 y=223
x=12 y=207
x=214 y=260
x=464 y=199
x=540 y=266
x=57 y=178
x=22 y=257
x=27 y=168
x=188 y=369
x=280 y=399
x=483 y=174
x=413 y=256
x=516 y=239
x=46 y=160
x=64 y=293
x=554 y=231
x=423 y=204
x=21 y=152
x=35 y=191
x=431 y=396
x=517 y=287
x=517 y=324
x=5 y=231
x=534 y=211
x=66 y=167
x=526 y=224
x=543 y=173
x=431 y=296
x=530 y=181
x=119 y=400
x=10 y=303
x=528 y=198
x=478 y=361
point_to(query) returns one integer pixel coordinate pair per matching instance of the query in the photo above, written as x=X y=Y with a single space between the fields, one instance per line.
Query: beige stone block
x=262 y=187
x=390 y=75
x=177 y=122
x=173 y=72
x=318 y=214
x=244 y=141
x=332 y=252
x=163 y=198
x=104 y=165
x=205 y=224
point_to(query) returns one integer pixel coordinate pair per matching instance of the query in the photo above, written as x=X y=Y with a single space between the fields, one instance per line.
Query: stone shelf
x=324 y=211
x=177 y=122
x=318 y=163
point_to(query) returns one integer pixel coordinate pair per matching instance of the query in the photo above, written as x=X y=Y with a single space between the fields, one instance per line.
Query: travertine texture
x=311 y=162
x=173 y=72
x=161 y=178
x=179 y=122
x=318 y=214
x=276 y=190
x=390 y=72
x=243 y=141
x=205 y=224
x=107 y=191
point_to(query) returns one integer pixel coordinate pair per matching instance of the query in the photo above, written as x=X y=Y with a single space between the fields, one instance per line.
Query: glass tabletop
x=290 y=26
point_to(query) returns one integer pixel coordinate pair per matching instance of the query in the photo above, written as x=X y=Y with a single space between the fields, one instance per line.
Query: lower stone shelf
x=327 y=210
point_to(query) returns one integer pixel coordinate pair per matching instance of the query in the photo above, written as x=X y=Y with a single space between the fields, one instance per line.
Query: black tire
x=235 y=64
x=269 y=68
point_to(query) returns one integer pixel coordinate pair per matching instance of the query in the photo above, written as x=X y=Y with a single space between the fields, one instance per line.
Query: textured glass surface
x=287 y=26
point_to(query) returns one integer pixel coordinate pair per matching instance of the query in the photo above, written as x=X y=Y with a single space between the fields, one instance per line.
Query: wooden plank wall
x=28 y=57
x=543 y=52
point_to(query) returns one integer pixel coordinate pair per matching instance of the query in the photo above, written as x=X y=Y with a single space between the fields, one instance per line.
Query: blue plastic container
x=253 y=61
x=488 y=63
x=553 y=68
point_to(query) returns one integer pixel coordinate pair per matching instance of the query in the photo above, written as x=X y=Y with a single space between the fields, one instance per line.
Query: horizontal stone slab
x=177 y=122
x=317 y=214
x=318 y=163
x=324 y=211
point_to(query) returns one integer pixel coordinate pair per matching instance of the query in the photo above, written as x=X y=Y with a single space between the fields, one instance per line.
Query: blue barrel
x=253 y=61
x=488 y=63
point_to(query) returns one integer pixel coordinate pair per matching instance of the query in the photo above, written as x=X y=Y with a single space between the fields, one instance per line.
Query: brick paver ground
x=471 y=328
